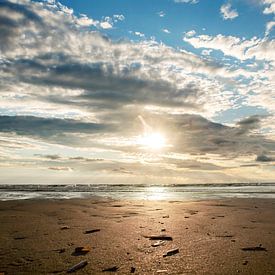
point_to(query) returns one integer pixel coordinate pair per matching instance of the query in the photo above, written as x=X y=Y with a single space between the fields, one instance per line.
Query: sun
x=153 y=141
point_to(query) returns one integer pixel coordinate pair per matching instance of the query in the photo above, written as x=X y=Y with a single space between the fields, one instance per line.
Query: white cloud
x=242 y=49
x=105 y=25
x=227 y=12
x=84 y=20
x=229 y=45
x=60 y=168
x=206 y=52
x=108 y=22
x=263 y=50
x=187 y=1
x=141 y=61
x=269 y=27
x=166 y=30
x=119 y=17
x=190 y=33
x=140 y=34
x=65 y=9
x=161 y=13
x=270 y=6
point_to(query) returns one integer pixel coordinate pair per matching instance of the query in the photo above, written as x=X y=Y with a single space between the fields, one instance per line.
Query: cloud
x=187 y=1
x=46 y=127
x=227 y=12
x=197 y=145
x=264 y=158
x=106 y=25
x=187 y=133
x=199 y=135
x=140 y=34
x=119 y=17
x=85 y=21
x=71 y=97
x=250 y=122
x=12 y=17
x=269 y=26
x=206 y=52
x=60 y=168
x=49 y=65
x=261 y=49
x=190 y=33
x=166 y=31
x=229 y=45
x=101 y=87
x=50 y=157
x=270 y=6
x=11 y=142
x=161 y=13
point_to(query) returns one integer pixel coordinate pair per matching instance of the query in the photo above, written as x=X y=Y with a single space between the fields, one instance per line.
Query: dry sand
x=210 y=236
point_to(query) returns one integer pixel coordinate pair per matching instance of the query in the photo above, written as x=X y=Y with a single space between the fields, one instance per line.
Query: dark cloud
x=192 y=164
x=186 y=133
x=196 y=122
x=194 y=134
x=14 y=16
x=50 y=157
x=57 y=168
x=47 y=127
x=86 y=159
x=28 y=14
x=122 y=170
x=264 y=158
x=252 y=120
x=250 y=165
x=101 y=85
x=249 y=123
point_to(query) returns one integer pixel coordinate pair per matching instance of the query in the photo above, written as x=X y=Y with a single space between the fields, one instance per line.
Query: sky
x=140 y=91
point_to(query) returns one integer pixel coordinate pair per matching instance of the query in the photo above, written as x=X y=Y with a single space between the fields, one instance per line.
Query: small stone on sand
x=65 y=227
x=91 y=231
x=159 y=237
x=171 y=252
x=110 y=269
x=77 y=266
x=158 y=243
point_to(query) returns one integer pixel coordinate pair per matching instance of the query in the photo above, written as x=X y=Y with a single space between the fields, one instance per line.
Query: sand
x=40 y=236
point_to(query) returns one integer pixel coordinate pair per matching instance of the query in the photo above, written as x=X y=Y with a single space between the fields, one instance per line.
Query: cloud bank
x=71 y=99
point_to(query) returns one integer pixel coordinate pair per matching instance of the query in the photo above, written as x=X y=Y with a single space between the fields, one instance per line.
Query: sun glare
x=152 y=141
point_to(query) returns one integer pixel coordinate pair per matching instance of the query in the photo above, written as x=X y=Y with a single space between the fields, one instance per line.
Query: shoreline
x=40 y=236
x=137 y=192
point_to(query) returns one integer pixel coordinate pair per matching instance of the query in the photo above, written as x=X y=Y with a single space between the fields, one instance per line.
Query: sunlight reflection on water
x=136 y=192
x=156 y=193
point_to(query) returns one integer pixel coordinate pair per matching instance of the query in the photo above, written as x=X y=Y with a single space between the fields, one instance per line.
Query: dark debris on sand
x=254 y=248
x=110 y=269
x=91 y=231
x=159 y=237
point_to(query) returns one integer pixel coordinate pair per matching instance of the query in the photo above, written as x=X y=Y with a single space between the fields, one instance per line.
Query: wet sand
x=213 y=237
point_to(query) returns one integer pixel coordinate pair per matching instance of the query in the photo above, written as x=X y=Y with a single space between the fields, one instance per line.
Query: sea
x=184 y=192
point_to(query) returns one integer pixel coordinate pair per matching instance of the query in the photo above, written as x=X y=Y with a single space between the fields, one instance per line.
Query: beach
x=226 y=236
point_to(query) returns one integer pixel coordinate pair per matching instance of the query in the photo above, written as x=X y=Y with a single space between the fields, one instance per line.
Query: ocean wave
x=137 y=191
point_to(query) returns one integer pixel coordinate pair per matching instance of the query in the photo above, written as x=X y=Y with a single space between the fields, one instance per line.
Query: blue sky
x=143 y=16
x=147 y=91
